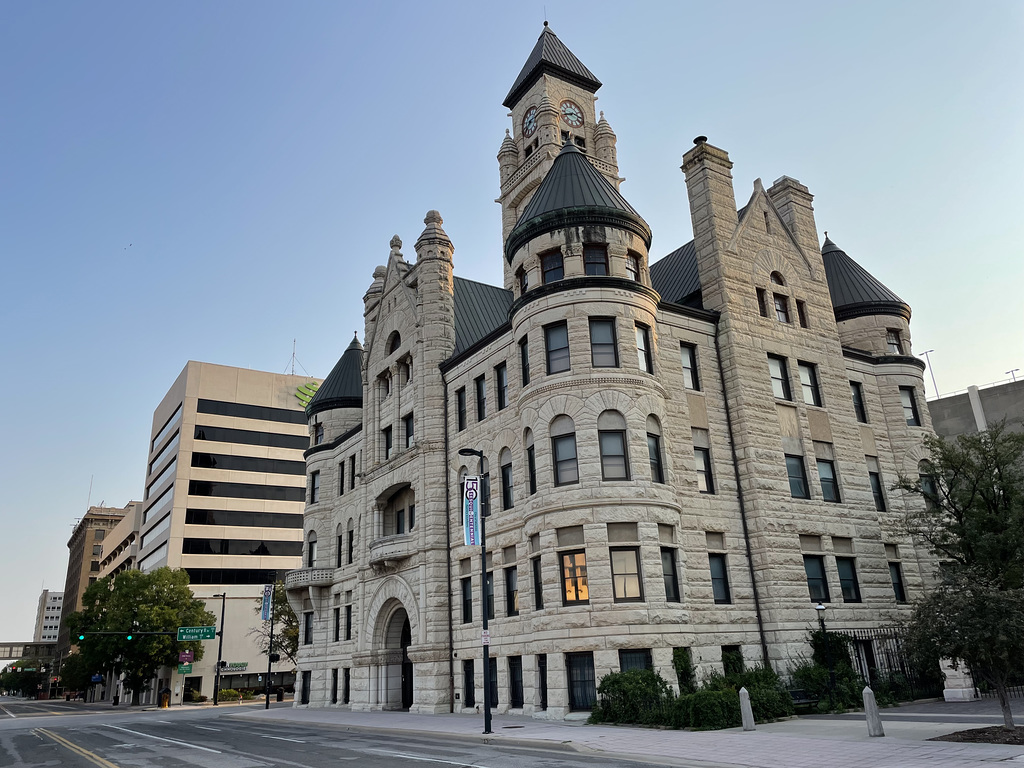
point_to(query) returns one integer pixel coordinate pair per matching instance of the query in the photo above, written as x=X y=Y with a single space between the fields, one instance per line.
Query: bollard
x=871 y=714
x=746 y=713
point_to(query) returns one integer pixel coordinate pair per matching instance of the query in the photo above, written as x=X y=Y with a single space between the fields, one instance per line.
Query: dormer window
x=551 y=267
x=595 y=259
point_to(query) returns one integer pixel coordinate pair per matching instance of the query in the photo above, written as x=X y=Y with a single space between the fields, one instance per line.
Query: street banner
x=268 y=596
x=471 y=511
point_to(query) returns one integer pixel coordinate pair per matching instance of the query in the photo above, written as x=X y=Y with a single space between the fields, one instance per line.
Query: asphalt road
x=86 y=736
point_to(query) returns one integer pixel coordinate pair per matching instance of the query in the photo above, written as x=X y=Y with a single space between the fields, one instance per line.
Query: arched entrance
x=397 y=639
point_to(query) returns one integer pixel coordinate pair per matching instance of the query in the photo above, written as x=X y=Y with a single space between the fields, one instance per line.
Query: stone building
x=691 y=453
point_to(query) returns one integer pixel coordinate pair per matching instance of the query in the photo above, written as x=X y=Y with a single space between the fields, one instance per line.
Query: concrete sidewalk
x=813 y=742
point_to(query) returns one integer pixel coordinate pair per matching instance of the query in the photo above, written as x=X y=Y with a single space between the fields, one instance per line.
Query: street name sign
x=187 y=634
x=184 y=669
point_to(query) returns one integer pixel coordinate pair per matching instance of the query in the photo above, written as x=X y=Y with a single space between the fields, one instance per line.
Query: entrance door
x=406 y=666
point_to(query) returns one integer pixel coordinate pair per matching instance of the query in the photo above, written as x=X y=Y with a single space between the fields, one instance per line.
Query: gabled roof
x=550 y=55
x=856 y=292
x=343 y=387
x=479 y=310
x=574 y=193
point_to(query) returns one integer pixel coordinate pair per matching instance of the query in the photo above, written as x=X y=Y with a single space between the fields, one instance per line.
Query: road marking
x=279 y=738
x=82 y=751
x=462 y=763
x=202 y=727
x=5 y=709
x=161 y=738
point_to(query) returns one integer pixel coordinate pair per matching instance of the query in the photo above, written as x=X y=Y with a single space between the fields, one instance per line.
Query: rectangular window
x=341 y=478
x=346 y=689
x=719 y=578
x=691 y=379
x=538 y=585
x=635 y=658
x=348 y=622
x=551 y=267
x=492 y=674
x=781 y=307
x=582 y=691
x=604 y=351
x=564 y=449
x=817 y=585
x=515 y=682
x=460 y=407
x=847 y=568
x=524 y=360
x=556 y=344
x=489 y=595
x=314 y=487
x=801 y=313
x=531 y=466
x=612 y=444
x=307 y=628
x=654 y=454
x=511 y=592
x=797 y=477
x=318 y=433
x=896 y=574
x=670 y=575
x=809 y=383
x=507 y=498
x=388 y=437
x=337 y=624
x=633 y=267
x=779 y=372
x=351 y=546
x=643 y=348
x=467 y=600
x=762 y=302
x=857 y=393
x=595 y=259
x=893 y=343
x=875 y=479
x=485 y=494
x=626 y=586
x=412 y=516
x=400 y=521
x=910 y=407
x=481 y=398
x=501 y=385
x=468 y=684
x=524 y=280
x=702 y=461
x=829 y=481
x=410 y=436
x=574 y=578
x=351 y=472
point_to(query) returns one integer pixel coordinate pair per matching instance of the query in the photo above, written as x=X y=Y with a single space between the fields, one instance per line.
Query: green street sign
x=186 y=634
x=184 y=669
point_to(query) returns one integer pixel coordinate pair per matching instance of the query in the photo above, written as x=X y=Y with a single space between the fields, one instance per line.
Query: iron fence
x=879 y=657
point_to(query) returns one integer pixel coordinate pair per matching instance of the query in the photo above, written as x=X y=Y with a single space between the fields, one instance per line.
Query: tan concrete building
x=48 y=617
x=120 y=550
x=224 y=496
x=691 y=453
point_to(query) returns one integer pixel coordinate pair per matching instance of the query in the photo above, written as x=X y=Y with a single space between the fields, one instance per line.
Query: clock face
x=571 y=113
x=530 y=122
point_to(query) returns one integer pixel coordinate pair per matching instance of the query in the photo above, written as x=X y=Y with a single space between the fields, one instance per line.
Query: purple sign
x=185 y=657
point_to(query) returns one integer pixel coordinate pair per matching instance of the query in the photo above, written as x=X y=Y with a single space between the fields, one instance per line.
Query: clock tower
x=550 y=103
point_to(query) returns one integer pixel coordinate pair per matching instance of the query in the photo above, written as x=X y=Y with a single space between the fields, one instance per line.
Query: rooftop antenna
x=295 y=360
x=1013 y=373
x=88 y=501
x=930 y=369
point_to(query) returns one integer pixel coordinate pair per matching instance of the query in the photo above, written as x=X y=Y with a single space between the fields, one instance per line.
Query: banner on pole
x=471 y=511
x=268 y=596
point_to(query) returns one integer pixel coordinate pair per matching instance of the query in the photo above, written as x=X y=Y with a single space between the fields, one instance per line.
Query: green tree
x=973 y=521
x=130 y=605
x=286 y=626
x=28 y=678
x=75 y=672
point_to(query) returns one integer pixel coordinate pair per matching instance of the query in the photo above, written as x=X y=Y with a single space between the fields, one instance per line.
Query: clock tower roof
x=550 y=56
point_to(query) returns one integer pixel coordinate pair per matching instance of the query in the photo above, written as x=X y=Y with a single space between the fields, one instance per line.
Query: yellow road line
x=82 y=751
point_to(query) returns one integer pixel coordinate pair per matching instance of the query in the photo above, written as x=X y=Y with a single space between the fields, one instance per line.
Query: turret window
x=633 y=267
x=909 y=403
x=556 y=342
x=604 y=351
x=551 y=267
x=893 y=343
x=524 y=281
x=595 y=259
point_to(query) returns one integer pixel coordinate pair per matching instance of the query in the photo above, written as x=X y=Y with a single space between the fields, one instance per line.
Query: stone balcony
x=392 y=549
x=309 y=577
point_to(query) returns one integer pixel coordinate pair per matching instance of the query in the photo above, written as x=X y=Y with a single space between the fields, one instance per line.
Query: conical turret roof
x=856 y=292
x=343 y=387
x=551 y=56
x=574 y=193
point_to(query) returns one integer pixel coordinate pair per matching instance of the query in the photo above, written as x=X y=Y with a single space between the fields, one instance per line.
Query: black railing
x=882 y=662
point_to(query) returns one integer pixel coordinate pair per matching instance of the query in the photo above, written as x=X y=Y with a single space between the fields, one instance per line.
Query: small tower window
x=523 y=279
x=565 y=136
x=551 y=266
x=580 y=142
x=893 y=343
x=633 y=266
x=595 y=259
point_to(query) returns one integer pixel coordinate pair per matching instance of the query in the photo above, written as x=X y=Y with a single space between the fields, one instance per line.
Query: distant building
x=85 y=552
x=121 y=544
x=48 y=617
x=224 y=497
x=979 y=408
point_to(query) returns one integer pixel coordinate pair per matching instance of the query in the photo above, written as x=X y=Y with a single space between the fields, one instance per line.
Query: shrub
x=636 y=696
x=247 y=694
x=227 y=693
x=686 y=674
x=713 y=710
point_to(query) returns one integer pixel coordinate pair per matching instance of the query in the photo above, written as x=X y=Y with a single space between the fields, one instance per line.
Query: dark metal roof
x=343 y=387
x=675 y=276
x=479 y=310
x=550 y=55
x=574 y=193
x=856 y=292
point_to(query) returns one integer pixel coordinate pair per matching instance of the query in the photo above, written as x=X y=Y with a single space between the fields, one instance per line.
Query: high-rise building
x=224 y=496
x=48 y=617
x=688 y=453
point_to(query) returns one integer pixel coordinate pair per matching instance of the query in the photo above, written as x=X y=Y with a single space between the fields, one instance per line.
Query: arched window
x=507 y=497
x=394 y=342
x=654 y=449
x=531 y=462
x=777 y=279
x=611 y=439
x=563 y=451
x=311 y=550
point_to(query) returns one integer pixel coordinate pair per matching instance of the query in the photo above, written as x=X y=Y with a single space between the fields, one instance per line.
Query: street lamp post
x=485 y=640
x=220 y=650
x=820 y=608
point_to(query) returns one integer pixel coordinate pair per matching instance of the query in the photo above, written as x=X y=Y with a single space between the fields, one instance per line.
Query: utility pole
x=220 y=649
x=485 y=635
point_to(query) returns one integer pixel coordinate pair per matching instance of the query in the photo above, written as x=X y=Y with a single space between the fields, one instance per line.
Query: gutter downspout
x=448 y=552
x=739 y=497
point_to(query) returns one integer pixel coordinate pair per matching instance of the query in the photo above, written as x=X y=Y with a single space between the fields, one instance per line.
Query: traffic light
x=129 y=637
x=223 y=664
x=81 y=637
x=275 y=657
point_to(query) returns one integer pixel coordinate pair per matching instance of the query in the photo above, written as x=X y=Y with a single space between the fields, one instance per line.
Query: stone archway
x=393 y=668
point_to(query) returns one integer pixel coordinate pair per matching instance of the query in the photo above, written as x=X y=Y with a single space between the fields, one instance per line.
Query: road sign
x=186 y=634
x=185 y=657
x=485 y=637
x=97 y=678
x=184 y=669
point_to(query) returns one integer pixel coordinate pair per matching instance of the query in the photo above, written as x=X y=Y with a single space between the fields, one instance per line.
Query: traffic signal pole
x=270 y=652
x=220 y=649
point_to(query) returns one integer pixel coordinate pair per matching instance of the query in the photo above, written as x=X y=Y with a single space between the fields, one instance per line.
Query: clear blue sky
x=209 y=181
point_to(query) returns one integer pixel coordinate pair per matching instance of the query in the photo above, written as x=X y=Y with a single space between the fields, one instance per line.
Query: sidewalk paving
x=812 y=742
